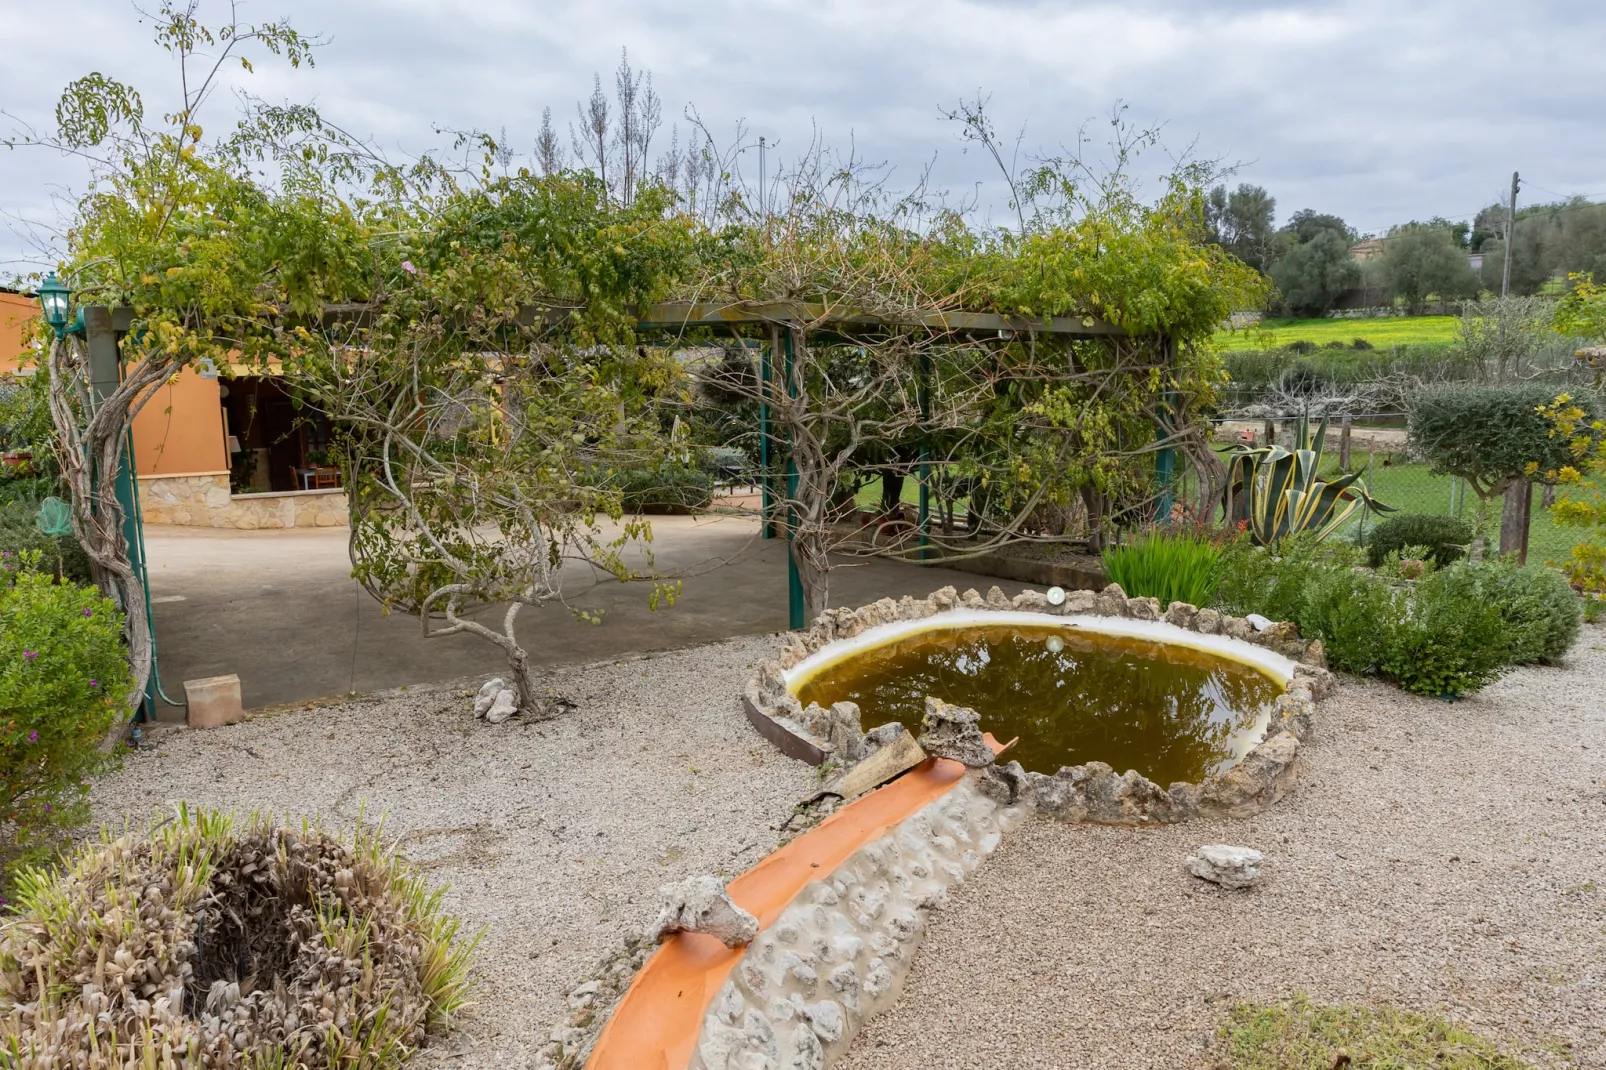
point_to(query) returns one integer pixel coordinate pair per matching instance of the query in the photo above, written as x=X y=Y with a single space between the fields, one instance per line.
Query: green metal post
x=766 y=529
x=794 y=582
x=924 y=398
x=105 y=373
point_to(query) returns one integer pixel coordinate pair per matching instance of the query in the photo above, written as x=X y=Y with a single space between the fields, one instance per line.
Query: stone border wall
x=205 y=501
x=839 y=954
x=1094 y=791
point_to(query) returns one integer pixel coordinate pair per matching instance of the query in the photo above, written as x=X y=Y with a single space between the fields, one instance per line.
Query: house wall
x=16 y=316
x=180 y=450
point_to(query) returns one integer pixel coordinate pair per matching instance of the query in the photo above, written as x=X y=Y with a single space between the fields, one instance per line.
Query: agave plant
x=1284 y=495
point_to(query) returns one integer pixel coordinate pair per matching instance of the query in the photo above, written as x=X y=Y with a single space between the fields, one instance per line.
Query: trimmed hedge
x=1446 y=536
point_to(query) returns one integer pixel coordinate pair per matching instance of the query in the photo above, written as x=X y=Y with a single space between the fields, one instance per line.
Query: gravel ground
x=553 y=836
x=1443 y=858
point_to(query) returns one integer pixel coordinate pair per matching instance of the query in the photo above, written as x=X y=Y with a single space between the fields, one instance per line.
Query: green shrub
x=1446 y=536
x=1449 y=639
x=60 y=555
x=1487 y=434
x=1352 y=612
x=1542 y=614
x=1273 y=582
x=64 y=682
x=1172 y=567
x=672 y=488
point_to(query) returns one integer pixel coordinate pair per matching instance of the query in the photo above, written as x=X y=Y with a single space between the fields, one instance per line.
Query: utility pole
x=763 y=194
x=1511 y=227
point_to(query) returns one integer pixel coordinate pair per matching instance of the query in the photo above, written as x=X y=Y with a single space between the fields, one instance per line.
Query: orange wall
x=15 y=313
x=180 y=430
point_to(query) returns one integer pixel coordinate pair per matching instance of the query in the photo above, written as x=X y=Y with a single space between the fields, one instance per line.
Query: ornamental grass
x=207 y=941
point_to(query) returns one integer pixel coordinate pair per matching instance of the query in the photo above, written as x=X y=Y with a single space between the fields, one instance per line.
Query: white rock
x=1257 y=622
x=482 y=702
x=700 y=905
x=505 y=706
x=1226 y=865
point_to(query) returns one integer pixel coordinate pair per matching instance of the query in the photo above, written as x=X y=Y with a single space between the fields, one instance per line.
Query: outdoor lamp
x=53 y=299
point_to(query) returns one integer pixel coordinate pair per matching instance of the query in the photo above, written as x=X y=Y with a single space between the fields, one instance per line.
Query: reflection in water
x=1170 y=712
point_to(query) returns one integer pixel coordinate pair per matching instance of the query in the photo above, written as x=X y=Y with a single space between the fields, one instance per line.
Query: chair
x=324 y=476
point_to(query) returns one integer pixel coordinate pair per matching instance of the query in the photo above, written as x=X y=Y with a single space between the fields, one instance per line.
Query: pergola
x=782 y=322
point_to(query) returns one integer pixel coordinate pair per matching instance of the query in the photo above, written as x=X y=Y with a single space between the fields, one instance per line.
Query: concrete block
x=214 y=701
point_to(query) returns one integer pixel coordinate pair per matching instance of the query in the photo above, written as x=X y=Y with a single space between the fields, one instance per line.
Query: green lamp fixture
x=53 y=294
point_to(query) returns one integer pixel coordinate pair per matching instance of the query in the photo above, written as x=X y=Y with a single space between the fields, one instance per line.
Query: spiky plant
x=1284 y=494
x=207 y=942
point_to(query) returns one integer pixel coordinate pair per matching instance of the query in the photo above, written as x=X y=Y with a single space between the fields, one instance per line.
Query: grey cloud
x=1378 y=110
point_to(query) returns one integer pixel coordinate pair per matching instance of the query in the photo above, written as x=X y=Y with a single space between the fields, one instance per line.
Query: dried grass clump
x=206 y=943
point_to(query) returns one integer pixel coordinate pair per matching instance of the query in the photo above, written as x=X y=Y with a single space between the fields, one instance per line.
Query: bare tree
x=548 y=149
x=640 y=115
x=591 y=140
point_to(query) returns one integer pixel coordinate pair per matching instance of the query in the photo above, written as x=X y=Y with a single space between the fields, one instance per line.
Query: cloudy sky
x=1378 y=110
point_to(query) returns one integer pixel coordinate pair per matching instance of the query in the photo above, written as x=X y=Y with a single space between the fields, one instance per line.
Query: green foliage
x=1422 y=261
x=1449 y=633
x=63 y=681
x=1447 y=537
x=1451 y=641
x=1314 y=274
x=1549 y=241
x=1488 y=435
x=1285 y=495
x=1171 y=566
x=59 y=555
x=265 y=947
x=1582 y=311
x=1241 y=223
x=1349 y=610
x=670 y=488
x=1296 y=1034
x=25 y=413
x=1542 y=614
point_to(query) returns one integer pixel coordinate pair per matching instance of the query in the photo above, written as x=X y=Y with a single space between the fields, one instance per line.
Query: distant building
x=1364 y=251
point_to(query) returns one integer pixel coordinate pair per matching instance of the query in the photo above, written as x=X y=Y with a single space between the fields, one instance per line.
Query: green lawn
x=1382 y=333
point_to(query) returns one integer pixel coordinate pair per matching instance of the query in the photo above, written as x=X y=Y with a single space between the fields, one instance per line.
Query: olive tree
x=1494 y=437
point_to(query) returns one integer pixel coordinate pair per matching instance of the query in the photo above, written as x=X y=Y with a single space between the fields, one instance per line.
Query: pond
x=1072 y=695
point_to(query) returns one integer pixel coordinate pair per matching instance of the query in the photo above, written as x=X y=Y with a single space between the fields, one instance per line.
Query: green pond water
x=1072 y=696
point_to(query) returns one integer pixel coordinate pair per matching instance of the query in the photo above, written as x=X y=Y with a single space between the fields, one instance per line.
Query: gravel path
x=553 y=836
x=1444 y=858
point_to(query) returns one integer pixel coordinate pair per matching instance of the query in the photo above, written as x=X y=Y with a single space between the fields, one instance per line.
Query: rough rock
x=1237 y=628
x=1111 y=602
x=1315 y=655
x=1032 y=602
x=844 y=733
x=1226 y=865
x=1005 y=784
x=996 y=598
x=1181 y=614
x=972 y=599
x=949 y=731
x=487 y=696
x=505 y=706
x=1293 y=712
x=700 y=905
x=1320 y=679
x=771 y=684
x=882 y=735
x=1207 y=622
x=912 y=608
x=1143 y=608
x=1258 y=622
x=1265 y=775
x=1096 y=793
x=1078 y=602
x=943 y=599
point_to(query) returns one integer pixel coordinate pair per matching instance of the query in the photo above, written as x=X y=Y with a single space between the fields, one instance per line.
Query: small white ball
x=1056 y=596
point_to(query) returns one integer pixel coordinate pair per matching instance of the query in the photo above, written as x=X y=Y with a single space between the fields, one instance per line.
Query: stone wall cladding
x=1093 y=792
x=204 y=501
x=840 y=952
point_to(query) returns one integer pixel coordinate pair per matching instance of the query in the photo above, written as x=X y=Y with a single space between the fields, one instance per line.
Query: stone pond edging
x=1092 y=792
x=839 y=954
